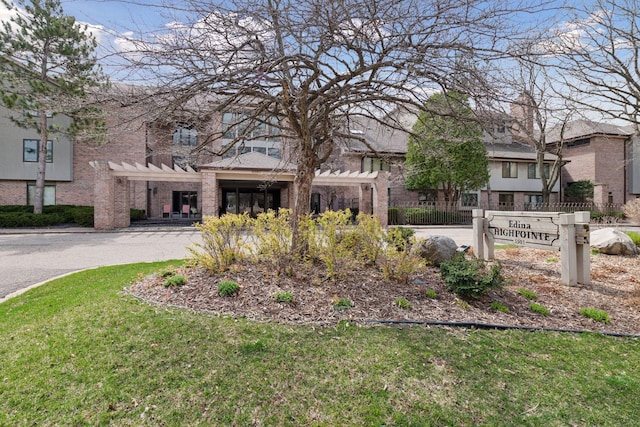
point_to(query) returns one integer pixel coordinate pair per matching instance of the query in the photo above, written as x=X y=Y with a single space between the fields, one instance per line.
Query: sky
x=112 y=21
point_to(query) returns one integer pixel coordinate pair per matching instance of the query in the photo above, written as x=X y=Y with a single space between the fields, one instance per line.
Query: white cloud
x=6 y=15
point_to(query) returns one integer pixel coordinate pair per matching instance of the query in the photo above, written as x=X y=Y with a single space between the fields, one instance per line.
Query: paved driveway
x=30 y=258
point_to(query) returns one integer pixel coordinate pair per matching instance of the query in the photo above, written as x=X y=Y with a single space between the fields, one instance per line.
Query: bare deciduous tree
x=600 y=50
x=541 y=112
x=317 y=66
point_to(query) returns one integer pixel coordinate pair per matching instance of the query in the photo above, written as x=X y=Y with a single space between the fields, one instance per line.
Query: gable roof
x=514 y=151
x=251 y=160
x=583 y=128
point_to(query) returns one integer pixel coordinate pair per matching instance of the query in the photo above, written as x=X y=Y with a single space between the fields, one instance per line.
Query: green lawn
x=79 y=351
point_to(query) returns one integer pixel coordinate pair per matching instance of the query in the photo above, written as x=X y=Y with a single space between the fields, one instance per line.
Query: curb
x=87 y=230
x=35 y=285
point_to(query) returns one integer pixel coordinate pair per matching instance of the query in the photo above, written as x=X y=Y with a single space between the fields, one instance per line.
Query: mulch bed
x=615 y=288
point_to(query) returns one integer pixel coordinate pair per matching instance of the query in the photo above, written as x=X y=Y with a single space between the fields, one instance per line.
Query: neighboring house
x=69 y=178
x=606 y=154
x=19 y=161
x=514 y=176
x=514 y=181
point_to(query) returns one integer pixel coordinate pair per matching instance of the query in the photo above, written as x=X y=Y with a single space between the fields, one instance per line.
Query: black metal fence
x=442 y=213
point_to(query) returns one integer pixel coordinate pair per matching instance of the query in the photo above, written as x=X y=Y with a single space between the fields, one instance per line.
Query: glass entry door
x=184 y=202
x=239 y=200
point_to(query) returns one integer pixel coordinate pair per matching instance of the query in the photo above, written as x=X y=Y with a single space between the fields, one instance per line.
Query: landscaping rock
x=611 y=241
x=436 y=249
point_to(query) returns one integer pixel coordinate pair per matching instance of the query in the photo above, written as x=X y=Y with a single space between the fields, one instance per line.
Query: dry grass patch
x=550 y=289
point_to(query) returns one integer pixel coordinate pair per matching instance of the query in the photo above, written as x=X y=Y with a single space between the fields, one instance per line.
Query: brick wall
x=610 y=167
x=13 y=193
x=125 y=142
x=601 y=161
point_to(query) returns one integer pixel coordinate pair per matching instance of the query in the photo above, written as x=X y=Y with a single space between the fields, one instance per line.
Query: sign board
x=568 y=233
x=534 y=229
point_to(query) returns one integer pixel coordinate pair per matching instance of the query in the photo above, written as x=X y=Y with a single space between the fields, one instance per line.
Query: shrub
x=400 y=237
x=223 y=242
x=334 y=254
x=22 y=216
x=469 y=277
x=24 y=219
x=369 y=235
x=631 y=210
x=597 y=315
x=540 y=309
x=422 y=216
x=227 y=288
x=83 y=216
x=431 y=294
x=273 y=238
x=341 y=303
x=175 y=281
x=402 y=303
x=399 y=265
x=168 y=271
x=137 y=214
x=463 y=304
x=498 y=306
x=579 y=191
x=16 y=209
x=527 y=293
x=635 y=237
x=607 y=217
x=285 y=297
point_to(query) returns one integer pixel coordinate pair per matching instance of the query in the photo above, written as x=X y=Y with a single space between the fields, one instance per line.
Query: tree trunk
x=546 y=190
x=302 y=182
x=38 y=196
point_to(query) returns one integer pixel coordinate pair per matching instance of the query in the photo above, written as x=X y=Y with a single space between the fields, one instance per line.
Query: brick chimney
x=522 y=113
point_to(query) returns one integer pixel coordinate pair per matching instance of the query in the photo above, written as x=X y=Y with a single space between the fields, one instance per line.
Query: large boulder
x=612 y=242
x=436 y=249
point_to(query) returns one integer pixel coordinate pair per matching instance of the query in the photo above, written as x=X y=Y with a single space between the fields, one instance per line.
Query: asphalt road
x=32 y=257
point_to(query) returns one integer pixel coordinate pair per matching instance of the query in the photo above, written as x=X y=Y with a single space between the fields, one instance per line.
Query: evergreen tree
x=47 y=67
x=445 y=150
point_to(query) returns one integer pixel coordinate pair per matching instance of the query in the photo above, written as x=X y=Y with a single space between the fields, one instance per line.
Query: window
x=374 y=164
x=427 y=197
x=49 y=194
x=505 y=201
x=238 y=126
x=275 y=153
x=469 y=200
x=254 y=134
x=185 y=135
x=533 y=201
x=509 y=170
x=533 y=171
x=256 y=147
x=30 y=150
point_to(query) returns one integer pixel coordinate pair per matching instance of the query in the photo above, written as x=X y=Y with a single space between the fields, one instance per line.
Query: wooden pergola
x=111 y=188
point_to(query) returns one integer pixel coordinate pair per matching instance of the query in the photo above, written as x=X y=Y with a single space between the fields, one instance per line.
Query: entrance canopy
x=112 y=190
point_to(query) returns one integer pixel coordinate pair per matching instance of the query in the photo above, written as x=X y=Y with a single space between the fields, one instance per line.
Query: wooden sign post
x=568 y=233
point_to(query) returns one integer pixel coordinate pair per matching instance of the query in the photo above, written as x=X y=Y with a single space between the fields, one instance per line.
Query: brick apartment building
x=244 y=175
x=606 y=154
